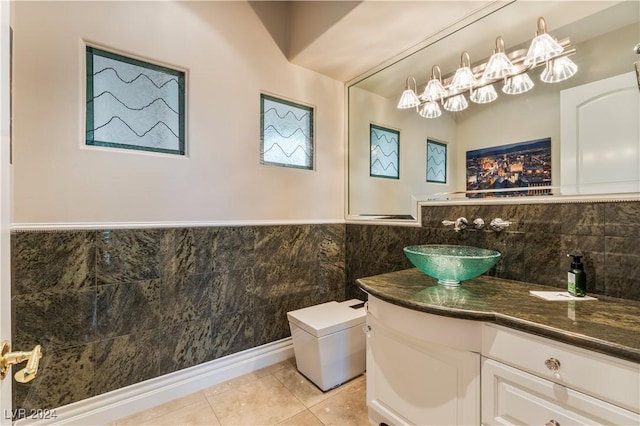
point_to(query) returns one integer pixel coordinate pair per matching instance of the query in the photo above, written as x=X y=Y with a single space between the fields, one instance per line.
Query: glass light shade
x=430 y=109
x=434 y=90
x=558 y=69
x=456 y=103
x=484 y=95
x=499 y=66
x=542 y=48
x=517 y=84
x=409 y=99
x=463 y=79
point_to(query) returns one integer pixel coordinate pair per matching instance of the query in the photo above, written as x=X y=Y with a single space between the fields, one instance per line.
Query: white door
x=5 y=211
x=600 y=136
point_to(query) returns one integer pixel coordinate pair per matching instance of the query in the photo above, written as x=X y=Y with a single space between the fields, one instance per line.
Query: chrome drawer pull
x=552 y=423
x=553 y=365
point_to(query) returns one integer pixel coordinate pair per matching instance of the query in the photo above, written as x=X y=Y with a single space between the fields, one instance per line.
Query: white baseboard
x=114 y=405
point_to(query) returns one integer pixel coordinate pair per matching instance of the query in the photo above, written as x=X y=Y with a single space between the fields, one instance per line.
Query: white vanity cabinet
x=530 y=380
x=426 y=369
x=422 y=369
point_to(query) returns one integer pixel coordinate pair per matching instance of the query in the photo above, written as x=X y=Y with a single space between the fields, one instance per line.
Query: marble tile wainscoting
x=116 y=307
x=534 y=248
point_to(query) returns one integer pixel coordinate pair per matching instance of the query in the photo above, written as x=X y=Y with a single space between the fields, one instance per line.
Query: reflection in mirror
x=603 y=34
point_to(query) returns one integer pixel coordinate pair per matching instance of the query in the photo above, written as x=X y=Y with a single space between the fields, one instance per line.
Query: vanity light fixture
x=456 y=103
x=517 y=84
x=409 y=99
x=430 y=109
x=484 y=95
x=543 y=46
x=463 y=78
x=434 y=90
x=558 y=69
x=499 y=65
x=479 y=80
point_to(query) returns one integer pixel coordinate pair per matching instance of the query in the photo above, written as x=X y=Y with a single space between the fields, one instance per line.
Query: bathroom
x=129 y=266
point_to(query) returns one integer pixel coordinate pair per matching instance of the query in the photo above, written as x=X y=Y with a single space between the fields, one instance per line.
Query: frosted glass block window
x=286 y=133
x=436 y=161
x=134 y=104
x=385 y=152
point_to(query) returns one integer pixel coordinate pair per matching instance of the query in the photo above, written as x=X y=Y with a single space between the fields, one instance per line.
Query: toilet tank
x=328 y=342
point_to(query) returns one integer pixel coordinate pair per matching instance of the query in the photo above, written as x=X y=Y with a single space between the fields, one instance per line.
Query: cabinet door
x=513 y=397
x=413 y=382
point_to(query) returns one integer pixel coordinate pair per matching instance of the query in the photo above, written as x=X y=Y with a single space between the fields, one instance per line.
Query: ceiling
x=345 y=39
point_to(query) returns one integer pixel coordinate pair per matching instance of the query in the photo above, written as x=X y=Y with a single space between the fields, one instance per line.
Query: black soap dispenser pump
x=576 y=277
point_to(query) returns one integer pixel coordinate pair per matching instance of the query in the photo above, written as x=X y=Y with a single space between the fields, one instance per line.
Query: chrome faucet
x=498 y=224
x=478 y=223
x=458 y=225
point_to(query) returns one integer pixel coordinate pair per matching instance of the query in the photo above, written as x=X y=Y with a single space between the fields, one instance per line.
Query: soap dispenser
x=576 y=277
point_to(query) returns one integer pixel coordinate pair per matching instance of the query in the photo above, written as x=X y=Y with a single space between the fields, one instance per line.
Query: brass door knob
x=7 y=359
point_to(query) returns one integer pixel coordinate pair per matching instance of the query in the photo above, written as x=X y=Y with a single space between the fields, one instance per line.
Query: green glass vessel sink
x=451 y=264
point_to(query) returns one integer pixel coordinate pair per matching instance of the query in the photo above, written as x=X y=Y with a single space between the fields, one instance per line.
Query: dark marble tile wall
x=116 y=307
x=534 y=248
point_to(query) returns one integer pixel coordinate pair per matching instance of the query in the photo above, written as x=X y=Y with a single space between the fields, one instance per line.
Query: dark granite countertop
x=607 y=325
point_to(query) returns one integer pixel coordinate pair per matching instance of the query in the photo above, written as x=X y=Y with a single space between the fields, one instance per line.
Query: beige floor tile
x=306 y=418
x=348 y=406
x=161 y=410
x=308 y=393
x=274 y=395
x=288 y=364
x=235 y=383
x=262 y=402
x=197 y=414
x=359 y=382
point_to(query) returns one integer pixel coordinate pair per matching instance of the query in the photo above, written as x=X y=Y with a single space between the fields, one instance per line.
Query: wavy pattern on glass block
x=287 y=134
x=133 y=105
x=436 y=162
x=384 y=152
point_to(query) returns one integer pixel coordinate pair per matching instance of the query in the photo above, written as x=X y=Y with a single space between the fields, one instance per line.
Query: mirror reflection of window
x=436 y=162
x=385 y=148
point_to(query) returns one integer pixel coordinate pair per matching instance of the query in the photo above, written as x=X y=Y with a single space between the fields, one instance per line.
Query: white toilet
x=328 y=342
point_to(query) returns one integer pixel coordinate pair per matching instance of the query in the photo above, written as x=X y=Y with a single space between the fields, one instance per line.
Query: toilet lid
x=327 y=318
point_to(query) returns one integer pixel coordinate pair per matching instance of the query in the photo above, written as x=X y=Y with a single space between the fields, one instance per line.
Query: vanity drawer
x=607 y=378
x=513 y=397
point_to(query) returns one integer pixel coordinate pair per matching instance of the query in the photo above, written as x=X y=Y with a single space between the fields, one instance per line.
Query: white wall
x=230 y=59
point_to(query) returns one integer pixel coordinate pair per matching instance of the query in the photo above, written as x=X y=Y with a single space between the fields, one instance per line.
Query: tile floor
x=276 y=395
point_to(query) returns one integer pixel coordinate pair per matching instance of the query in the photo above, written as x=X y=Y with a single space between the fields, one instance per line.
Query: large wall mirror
x=603 y=34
